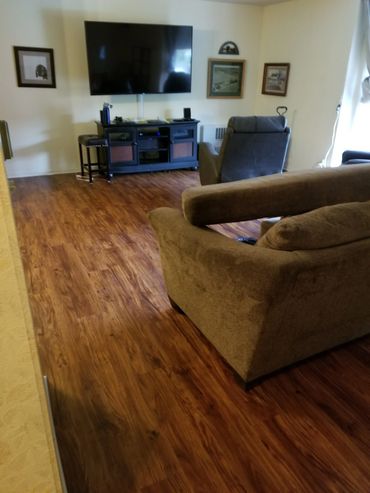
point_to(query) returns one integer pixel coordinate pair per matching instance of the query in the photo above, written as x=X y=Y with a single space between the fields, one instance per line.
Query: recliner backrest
x=254 y=146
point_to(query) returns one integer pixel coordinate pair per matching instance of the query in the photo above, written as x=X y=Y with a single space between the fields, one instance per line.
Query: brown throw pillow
x=321 y=228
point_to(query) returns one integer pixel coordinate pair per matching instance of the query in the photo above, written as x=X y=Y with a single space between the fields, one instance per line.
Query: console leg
x=109 y=161
x=89 y=164
x=81 y=160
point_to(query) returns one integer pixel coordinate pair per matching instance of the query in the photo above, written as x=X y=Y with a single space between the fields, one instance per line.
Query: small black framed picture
x=34 y=66
x=275 y=79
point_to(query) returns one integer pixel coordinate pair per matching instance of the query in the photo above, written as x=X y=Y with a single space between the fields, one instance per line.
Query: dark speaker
x=187 y=114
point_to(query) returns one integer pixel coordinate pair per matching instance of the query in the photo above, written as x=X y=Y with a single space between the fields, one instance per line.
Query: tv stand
x=155 y=145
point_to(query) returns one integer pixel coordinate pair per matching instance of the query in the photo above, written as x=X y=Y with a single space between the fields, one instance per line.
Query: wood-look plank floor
x=141 y=402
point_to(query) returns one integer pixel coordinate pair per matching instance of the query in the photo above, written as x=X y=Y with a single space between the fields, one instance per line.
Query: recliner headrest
x=256 y=124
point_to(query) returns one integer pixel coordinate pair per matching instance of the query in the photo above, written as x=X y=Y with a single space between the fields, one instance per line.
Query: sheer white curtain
x=366 y=82
x=353 y=128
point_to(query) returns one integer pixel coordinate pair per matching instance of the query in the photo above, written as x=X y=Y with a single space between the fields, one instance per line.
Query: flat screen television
x=127 y=58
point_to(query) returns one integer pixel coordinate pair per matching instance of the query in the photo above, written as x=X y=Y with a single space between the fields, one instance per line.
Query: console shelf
x=151 y=146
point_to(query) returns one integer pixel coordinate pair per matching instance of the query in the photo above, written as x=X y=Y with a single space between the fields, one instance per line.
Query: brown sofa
x=302 y=289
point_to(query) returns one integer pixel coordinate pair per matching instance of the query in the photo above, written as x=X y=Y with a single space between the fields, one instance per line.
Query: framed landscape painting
x=34 y=67
x=225 y=78
x=275 y=79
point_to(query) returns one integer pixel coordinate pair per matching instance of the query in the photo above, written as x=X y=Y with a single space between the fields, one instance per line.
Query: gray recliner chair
x=253 y=146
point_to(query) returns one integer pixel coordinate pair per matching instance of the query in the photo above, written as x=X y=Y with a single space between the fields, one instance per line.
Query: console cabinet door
x=183 y=143
x=123 y=146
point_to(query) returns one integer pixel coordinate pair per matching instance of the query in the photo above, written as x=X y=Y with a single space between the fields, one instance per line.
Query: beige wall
x=44 y=123
x=314 y=36
x=28 y=462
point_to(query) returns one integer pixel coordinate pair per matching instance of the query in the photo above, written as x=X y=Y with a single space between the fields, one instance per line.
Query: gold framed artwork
x=275 y=79
x=225 y=78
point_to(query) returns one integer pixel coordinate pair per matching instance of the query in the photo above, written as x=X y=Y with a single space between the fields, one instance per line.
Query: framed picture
x=225 y=78
x=34 y=66
x=275 y=79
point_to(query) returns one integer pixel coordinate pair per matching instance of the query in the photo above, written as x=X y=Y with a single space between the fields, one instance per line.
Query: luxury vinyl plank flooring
x=142 y=403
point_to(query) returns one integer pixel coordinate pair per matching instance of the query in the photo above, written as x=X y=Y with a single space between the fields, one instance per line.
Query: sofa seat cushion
x=321 y=228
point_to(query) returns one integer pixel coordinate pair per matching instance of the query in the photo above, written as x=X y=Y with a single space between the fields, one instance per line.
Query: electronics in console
x=118 y=120
x=105 y=118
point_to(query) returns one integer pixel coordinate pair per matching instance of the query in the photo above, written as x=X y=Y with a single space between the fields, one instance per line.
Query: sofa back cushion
x=284 y=194
x=321 y=228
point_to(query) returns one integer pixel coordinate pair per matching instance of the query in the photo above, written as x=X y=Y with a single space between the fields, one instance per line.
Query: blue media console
x=154 y=145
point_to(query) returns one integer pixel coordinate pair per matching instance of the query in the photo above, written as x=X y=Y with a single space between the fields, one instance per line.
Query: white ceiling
x=252 y=2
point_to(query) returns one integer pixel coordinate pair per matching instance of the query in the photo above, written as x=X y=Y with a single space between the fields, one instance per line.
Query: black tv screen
x=126 y=58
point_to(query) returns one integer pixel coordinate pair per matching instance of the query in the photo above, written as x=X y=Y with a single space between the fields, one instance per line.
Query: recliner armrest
x=209 y=164
x=355 y=157
x=209 y=149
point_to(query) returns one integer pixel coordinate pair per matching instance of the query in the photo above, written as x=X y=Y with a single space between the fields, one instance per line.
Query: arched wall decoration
x=228 y=48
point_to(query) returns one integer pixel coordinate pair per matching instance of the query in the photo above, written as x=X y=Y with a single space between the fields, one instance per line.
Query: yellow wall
x=313 y=35
x=44 y=123
x=27 y=458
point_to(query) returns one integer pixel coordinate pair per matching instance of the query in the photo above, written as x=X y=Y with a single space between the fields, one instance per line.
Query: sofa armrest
x=276 y=195
x=205 y=246
x=227 y=288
